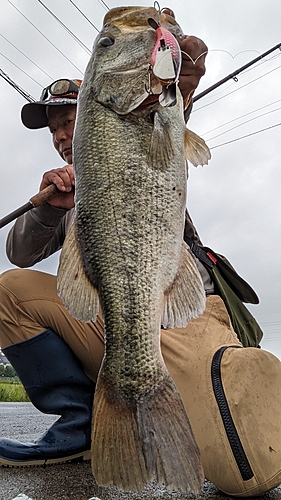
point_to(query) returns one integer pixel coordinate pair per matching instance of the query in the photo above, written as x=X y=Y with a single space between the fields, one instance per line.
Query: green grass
x=12 y=391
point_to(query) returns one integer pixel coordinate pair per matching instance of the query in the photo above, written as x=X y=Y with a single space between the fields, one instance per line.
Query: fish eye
x=106 y=41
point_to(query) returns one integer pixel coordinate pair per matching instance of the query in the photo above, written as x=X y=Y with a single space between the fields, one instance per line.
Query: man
x=57 y=357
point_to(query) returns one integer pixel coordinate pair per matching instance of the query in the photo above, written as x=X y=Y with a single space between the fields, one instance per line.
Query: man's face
x=61 y=121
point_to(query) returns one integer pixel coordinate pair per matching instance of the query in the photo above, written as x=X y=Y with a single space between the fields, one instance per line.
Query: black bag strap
x=199 y=252
x=209 y=259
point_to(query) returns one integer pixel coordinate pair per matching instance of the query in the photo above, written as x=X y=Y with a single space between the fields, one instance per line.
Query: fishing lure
x=166 y=62
x=166 y=55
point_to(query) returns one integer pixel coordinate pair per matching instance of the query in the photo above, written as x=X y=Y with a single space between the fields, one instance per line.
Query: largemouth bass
x=126 y=254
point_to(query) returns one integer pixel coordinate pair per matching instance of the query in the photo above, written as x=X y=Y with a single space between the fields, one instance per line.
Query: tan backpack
x=243 y=390
x=232 y=395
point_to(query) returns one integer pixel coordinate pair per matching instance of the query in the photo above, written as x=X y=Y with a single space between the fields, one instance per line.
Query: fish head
x=120 y=74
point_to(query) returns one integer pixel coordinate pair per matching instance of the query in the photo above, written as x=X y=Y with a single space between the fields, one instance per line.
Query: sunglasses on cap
x=61 y=88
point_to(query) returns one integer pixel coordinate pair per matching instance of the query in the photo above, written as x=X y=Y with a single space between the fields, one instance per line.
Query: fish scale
x=126 y=254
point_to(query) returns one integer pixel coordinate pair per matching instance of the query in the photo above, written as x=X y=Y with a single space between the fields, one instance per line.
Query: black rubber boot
x=55 y=383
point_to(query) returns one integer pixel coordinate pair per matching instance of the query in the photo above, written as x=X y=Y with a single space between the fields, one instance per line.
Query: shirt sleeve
x=36 y=235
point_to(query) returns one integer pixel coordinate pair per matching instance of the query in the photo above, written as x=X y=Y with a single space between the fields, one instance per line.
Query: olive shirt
x=41 y=232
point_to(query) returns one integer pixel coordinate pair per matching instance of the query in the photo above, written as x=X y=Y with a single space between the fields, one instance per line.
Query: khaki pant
x=29 y=304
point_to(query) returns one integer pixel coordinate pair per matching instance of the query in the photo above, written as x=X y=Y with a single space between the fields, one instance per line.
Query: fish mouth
x=151 y=99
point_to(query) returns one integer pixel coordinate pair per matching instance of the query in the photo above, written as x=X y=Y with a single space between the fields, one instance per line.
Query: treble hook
x=149 y=88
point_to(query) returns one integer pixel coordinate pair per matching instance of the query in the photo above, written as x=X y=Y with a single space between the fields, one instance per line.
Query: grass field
x=12 y=391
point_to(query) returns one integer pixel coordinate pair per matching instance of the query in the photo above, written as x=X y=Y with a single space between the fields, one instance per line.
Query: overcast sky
x=235 y=202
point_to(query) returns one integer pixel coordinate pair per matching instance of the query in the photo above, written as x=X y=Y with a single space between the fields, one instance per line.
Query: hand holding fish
x=63 y=178
x=194 y=52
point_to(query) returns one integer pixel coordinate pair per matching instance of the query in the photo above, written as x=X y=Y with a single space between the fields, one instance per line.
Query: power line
x=236 y=90
x=272 y=332
x=248 y=135
x=40 y=85
x=79 y=41
x=271 y=340
x=104 y=4
x=262 y=62
x=27 y=96
x=66 y=28
x=241 y=116
x=82 y=13
x=257 y=64
x=271 y=323
x=235 y=80
x=272 y=335
x=270 y=313
x=35 y=27
x=25 y=56
x=267 y=338
x=243 y=123
x=235 y=73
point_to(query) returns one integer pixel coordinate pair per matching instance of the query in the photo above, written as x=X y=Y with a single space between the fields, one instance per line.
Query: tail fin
x=137 y=442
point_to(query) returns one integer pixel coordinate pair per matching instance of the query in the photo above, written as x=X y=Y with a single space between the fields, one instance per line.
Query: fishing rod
x=43 y=196
x=38 y=199
x=235 y=73
x=6 y=77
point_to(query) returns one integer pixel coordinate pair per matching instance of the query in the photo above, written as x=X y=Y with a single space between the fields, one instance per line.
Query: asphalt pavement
x=72 y=481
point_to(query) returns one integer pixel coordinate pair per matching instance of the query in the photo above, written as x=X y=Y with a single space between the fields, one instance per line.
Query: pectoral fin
x=79 y=296
x=196 y=149
x=186 y=297
x=161 y=147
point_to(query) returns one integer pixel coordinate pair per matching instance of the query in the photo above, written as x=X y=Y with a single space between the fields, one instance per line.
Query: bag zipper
x=230 y=429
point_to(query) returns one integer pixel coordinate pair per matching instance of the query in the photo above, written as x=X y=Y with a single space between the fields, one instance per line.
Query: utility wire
x=248 y=135
x=262 y=62
x=26 y=18
x=27 y=96
x=235 y=80
x=241 y=116
x=82 y=13
x=40 y=85
x=26 y=56
x=66 y=28
x=104 y=4
x=243 y=123
x=271 y=323
x=271 y=313
x=270 y=339
x=86 y=48
x=270 y=334
x=235 y=73
x=236 y=90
